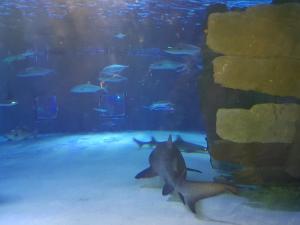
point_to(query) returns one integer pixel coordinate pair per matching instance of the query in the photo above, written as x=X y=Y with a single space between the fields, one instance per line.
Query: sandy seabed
x=88 y=179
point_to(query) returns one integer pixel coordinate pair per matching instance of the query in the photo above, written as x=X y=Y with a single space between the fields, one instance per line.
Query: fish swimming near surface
x=120 y=36
x=113 y=69
x=87 y=88
x=19 y=57
x=161 y=106
x=167 y=162
x=183 y=49
x=168 y=65
x=20 y=134
x=100 y=110
x=114 y=78
x=182 y=145
x=35 y=72
x=8 y=103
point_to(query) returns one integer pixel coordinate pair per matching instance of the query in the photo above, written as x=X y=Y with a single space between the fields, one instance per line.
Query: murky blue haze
x=77 y=39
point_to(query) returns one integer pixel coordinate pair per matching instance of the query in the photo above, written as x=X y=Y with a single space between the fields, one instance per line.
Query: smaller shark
x=20 y=134
x=167 y=162
x=183 y=145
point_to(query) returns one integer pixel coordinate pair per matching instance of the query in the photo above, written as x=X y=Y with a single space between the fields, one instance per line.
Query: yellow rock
x=262 y=31
x=276 y=76
x=264 y=123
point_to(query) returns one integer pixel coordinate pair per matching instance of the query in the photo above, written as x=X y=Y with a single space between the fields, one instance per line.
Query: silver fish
x=161 y=106
x=113 y=69
x=168 y=65
x=183 y=49
x=114 y=78
x=120 y=36
x=8 y=103
x=87 y=88
x=19 y=57
x=35 y=72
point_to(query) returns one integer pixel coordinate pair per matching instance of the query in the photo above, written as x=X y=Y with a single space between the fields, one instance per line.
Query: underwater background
x=201 y=97
x=76 y=39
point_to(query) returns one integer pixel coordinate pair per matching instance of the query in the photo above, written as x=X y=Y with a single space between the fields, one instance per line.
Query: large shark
x=167 y=162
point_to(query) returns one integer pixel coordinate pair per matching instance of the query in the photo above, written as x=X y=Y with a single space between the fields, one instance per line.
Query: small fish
x=101 y=110
x=183 y=49
x=120 y=36
x=87 y=88
x=168 y=65
x=114 y=78
x=113 y=69
x=161 y=106
x=8 y=103
x=35 y=72
x=145 y=52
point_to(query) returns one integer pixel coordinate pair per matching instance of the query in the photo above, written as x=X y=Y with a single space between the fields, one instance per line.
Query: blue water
x=76 y=166
x=76 y=39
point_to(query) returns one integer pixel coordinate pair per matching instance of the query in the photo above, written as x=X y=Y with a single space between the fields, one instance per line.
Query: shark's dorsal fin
x=153 y=139
x=179 y=138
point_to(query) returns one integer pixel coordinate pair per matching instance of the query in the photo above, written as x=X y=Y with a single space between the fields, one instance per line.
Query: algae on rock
x=264 y=123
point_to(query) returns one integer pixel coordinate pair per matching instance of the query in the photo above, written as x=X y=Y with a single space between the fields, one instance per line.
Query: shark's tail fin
x=190 y=192
x=139 y=143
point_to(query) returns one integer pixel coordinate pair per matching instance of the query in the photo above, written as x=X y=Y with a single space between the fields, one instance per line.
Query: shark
x=182 y=145
x=20 y=134
x=167 y=162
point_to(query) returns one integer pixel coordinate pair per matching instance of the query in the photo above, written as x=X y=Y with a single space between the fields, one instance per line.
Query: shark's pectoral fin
x=146 y=173
x=167 y=189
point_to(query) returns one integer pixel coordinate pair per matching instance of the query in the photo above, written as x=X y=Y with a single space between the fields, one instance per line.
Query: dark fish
x=189 y=147
x=183 y=146
x=20 y=134
x=167 y=162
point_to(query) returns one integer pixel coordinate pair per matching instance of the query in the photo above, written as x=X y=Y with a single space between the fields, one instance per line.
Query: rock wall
x=251 y=93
